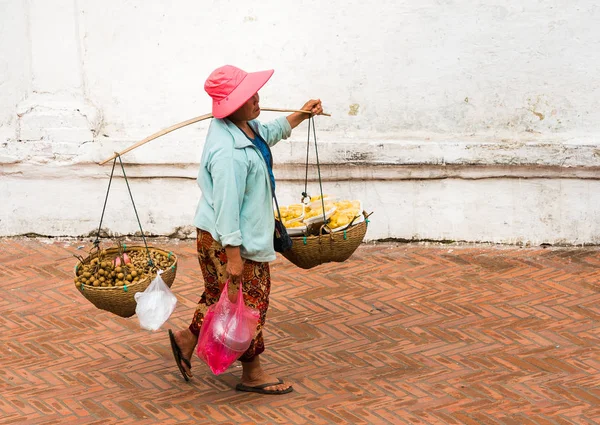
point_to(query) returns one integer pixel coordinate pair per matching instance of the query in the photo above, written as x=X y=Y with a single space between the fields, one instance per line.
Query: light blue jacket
x=236 y=206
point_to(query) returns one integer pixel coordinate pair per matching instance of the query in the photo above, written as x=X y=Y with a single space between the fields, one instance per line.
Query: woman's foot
x=186 y=341
x=255 y=379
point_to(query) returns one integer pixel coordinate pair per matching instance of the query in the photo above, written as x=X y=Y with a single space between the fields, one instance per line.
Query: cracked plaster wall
x=433 y=102
x=14 y=64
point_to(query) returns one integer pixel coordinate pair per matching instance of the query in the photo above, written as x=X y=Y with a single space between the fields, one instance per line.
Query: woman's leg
x=255 y=377
x=256 y=288
x=213 y=269
x=256 y=278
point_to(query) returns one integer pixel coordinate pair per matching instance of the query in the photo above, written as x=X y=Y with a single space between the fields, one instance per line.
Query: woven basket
x=310 y=251
x=119 y=300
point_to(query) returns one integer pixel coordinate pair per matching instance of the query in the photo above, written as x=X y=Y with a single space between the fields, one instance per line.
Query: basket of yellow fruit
x=291 y=213
x=292 y=216
x=329 y=236
x=110 y=278
x=315 y=216
x=295 y=228
x=346 y=212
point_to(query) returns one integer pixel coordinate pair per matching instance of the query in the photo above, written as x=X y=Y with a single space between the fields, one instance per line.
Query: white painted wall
x=463 y=120
x=14 y=65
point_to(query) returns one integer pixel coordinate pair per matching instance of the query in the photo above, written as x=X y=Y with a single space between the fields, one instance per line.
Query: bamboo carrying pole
x=185 y=123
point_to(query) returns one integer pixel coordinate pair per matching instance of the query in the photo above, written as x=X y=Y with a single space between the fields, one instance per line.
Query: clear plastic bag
x=227 y=331
x=155 y=304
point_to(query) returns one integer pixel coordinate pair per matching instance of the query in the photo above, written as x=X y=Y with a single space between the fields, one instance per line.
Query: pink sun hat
x=230 y=87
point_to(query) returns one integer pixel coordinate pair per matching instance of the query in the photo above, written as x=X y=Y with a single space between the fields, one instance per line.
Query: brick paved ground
x=402 y=334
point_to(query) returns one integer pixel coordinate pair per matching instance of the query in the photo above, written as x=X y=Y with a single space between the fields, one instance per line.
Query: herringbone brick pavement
x=399 y=334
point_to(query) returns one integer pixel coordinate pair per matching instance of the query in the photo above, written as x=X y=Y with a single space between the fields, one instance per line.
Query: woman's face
x=248 y=111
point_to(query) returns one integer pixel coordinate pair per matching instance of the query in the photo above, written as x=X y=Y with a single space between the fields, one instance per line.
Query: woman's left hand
x=314 y=106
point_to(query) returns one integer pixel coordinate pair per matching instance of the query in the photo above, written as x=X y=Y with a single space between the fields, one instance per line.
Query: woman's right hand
x=235 y=263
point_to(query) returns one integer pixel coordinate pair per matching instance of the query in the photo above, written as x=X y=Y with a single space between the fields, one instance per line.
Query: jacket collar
x=240 y=140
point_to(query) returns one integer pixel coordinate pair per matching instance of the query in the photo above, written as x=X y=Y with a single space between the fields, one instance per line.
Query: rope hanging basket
x=311 y=251
x=120 y=299
x=317 y=246
x=118 y=296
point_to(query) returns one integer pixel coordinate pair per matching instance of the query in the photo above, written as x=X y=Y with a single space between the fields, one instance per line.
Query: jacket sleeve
x=229 y=184
x=275 y=130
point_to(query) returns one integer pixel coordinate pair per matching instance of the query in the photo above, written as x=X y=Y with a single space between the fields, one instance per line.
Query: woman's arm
x=313 y=105
x=281 y=128
x=229 y=178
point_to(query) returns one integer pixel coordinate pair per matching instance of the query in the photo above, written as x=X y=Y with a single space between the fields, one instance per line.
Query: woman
x=234 y=218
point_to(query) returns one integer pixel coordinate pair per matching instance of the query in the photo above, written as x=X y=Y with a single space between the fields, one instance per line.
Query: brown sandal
x=261 y=388
x=179 y=357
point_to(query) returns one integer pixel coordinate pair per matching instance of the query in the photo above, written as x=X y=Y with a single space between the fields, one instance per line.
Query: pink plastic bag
x=227 y=331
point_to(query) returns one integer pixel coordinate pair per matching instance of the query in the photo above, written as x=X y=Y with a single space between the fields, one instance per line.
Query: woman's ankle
x=187 y=337
x=252 y=370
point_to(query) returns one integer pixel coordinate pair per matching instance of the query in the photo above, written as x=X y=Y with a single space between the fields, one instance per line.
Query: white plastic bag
x=155 y=304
